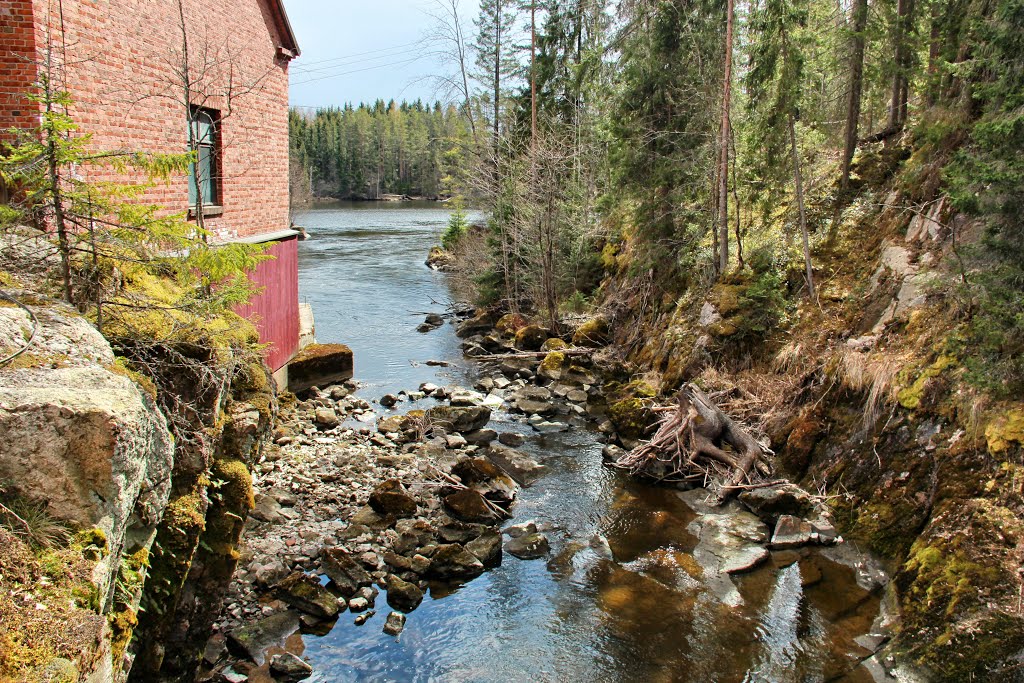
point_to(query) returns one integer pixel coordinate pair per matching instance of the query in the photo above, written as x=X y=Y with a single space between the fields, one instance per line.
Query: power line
x=306 y=72
x=356 y=71
x=305 y=65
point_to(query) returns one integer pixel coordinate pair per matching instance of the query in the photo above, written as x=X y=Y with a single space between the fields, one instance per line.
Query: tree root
x=697 y=442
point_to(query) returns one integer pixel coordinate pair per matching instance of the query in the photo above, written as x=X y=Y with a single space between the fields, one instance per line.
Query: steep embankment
x=865 y=396
x=125 y=483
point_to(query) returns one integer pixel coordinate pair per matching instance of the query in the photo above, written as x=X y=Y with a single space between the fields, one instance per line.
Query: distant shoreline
x=382 y=198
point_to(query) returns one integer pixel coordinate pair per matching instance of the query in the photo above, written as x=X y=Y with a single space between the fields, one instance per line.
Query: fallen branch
x=522 y=355
x=697 y=441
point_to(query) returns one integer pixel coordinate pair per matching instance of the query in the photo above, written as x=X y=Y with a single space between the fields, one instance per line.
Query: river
x=579 y=616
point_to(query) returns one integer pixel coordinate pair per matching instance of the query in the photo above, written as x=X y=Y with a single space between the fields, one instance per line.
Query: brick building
x=124 y=63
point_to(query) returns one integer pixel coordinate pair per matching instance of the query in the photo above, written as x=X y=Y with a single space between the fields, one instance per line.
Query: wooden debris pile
x=698 y=443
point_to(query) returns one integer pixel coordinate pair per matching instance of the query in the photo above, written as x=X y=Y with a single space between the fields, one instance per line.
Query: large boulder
x=477 y=325
x=531 y=337
x=347 y=574
x=533 y=401
x=469 y=506
x=519 y=465
x=254 y=639
x=452 y=562
x=592 y=333
x=771 y=502
x=528 y=546
x=553 y=365
x=390 y=498
x=510 y=323
x=486 y=548
x=319 y=365
x=458 y=419
x=79 y=436
x=304 y=593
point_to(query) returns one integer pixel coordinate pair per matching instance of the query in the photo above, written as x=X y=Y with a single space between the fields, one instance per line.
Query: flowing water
x=631 y=609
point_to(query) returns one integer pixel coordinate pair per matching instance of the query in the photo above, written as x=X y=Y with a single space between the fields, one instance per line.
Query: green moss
x=910 y=397
x=233 y=484
x=887 y=526
x=726 y=298
x=531 y=338
x=640 y=389
x=175 y=546
x=122 y=626
x=138 y=560
x=955 y=634
x=592 y=333
x=94 y=538
x=554 y=344
x=120 y=367
x=510 y=323
x=552 y=365
x=608 y=256
x=632 y=417
x=1004 y=431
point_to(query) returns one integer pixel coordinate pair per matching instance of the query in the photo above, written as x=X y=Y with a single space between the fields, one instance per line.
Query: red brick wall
x=17 y=70
x=121 y=57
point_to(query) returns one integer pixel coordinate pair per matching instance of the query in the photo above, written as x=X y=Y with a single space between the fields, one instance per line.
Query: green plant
x=764 y=305
x=457 y=224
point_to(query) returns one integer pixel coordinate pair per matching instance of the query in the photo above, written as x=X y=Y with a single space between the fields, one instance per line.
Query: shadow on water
x=621 y=597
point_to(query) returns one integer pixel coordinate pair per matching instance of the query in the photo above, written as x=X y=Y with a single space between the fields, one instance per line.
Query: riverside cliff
x=125 y=484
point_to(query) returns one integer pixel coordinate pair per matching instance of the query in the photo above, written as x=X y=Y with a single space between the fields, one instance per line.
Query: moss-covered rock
x=1004 y=431
x=911 y=396
x=592 y=334
x=727 y=298
x=632 y=418
x=510 y=323
x=319 y=365
x=531 y=338
x=553 y=365
x=554 y=344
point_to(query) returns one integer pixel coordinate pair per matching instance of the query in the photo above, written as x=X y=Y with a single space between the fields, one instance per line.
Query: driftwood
x=523 y=355
x=697 y=442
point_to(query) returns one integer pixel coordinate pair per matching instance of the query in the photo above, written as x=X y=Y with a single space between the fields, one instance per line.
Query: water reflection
x=621 y=597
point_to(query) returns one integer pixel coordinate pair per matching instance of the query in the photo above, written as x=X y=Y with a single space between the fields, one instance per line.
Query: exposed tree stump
x=699 y=443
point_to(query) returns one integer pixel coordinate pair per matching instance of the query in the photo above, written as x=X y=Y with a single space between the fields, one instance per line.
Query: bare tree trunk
x=723 y=160
x=497 y=71
x=860 y=20
x=799 y=183
x=900 y=85
x=533 y=73
x=934 y=50
x=193 y=142
x=63 y=242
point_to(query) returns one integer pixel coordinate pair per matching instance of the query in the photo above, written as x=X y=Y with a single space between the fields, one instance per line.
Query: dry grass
x=753 y=398
x=40 y=616
x=872 y=374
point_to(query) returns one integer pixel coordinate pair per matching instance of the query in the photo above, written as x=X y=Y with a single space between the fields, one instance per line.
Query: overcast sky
x=362 y=50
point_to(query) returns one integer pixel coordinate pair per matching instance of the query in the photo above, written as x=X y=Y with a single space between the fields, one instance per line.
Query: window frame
x=210 y=141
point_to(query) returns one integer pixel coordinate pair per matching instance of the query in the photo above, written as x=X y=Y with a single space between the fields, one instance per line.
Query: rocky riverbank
x=410 y=494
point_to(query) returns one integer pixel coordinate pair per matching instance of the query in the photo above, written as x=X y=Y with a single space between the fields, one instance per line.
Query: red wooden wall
x=276 y=310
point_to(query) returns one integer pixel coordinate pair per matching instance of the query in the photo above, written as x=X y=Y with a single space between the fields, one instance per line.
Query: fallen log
x=525 y=355
x=696 y=442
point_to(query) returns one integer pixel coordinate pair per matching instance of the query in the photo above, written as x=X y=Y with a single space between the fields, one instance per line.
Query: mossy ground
x=47 y=609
